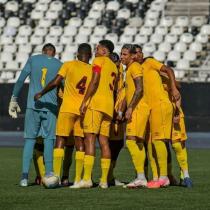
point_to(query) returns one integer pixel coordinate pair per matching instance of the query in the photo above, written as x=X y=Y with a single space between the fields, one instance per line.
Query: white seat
x=165 y=47
x=202 y=38
x=43 y=6
x=37 y=14
x=25 y=48
x=12 y=65
x=146 y=30
x=141 y=39
x=171 y=38
x=7 y=75
x=156 y=38
x=186 y=38
x=158 y=6
x=159 y=55
x=75 y=21
x=71 y=48
x=29 y=1
x=113 y=5
x=132 y=1
x=40 y=31
x=22 y=57
x=196 y=47
x=81 y=38
x=112 y=37
x=183 y=64
x=3 y=1
x=21 y=39
x=174 y=56
x=180 y=47
x=13 y=21
x=135 y=21
x=36 y=40
x=12 y=48
x=90 y=22
x=66 y=39
x=198 y=21
x=56 y=5
x=152 y=14
x=124 y=38
x=25 y=30
x=10 y=31
x=130 y=30
x=77 y=2
x=59 y=48
x=149 y=48
x=45 y=1
x=100 y=30
x=56 y=30
x=37 y=49
x=45 y=22
x=182 y=21
x=205 y=29
x=151 y=22
x=118 y=48
x=70 y=30
x=6 y=39
x=166 y=21
x=11 y=6
x=98 y=5
x=51 y=14
x=124 y=13
x=85 y=30
x=93 y=13
x=6 y=57
x=2 y=22
x=163 y=30
x=51 y=39
x=178 y=30
x=189 y=55
x=94 y=39
x=67 y=56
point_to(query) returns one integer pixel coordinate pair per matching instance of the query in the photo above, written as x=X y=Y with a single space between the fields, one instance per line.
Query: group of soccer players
x=101 y=101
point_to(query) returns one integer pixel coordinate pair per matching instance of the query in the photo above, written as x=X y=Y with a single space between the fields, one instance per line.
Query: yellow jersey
x=133 y=71
x=103 y=99
x=154 y=91
x=77 y=76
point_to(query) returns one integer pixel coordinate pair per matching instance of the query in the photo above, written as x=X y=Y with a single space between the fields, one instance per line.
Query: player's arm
x=57 y=81
x=91 y=89
x=13 y=105
x=138 y=82
x=174 y=91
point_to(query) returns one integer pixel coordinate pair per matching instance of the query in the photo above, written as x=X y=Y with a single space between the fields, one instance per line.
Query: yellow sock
x=161 y=152
x=105 y=165
x=137 y=154
x=153 y=161
x=111 y=170
x=67 y=161
x=79 y=158
x=40 y=162
x=181 y=155
x=58 y=160
x=88 y=167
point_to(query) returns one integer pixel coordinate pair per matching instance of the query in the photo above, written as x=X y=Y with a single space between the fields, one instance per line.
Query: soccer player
x=77 y=75
x=160 y=108
x=134 y=128
x=97 y=108
x=40 y=115
x=116 y=138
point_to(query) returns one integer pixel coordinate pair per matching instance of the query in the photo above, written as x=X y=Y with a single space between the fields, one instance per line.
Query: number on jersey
x=43 y=79
x=81 y=85
x=113 y=82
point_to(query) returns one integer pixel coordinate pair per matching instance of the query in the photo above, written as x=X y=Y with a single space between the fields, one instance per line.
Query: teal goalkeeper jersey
x=41 y=69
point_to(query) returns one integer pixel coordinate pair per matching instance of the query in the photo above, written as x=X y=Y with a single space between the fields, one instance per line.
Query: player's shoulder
x=135 y=66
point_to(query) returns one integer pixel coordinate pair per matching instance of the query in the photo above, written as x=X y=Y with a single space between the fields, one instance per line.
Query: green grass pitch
x=35 y=197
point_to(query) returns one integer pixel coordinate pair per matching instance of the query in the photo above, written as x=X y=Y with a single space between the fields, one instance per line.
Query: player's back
x=103 y=99
x=42 y=70
x=77 y=75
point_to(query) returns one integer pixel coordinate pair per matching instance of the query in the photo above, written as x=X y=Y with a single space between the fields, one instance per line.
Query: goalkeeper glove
x=14 y=107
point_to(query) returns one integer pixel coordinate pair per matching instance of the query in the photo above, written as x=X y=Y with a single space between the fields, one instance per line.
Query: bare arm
x=50 y=86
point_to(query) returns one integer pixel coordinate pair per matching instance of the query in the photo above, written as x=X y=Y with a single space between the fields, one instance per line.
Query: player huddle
x=97 y=102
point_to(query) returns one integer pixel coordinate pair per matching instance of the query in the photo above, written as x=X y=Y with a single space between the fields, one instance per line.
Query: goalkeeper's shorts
x=39 y=122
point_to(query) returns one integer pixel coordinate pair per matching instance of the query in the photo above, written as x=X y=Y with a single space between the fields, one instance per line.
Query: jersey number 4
x=81 y=85
x=113 y=82
x=43 y=79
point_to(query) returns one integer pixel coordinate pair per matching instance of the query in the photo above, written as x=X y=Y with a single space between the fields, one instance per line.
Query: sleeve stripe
x=96 y=69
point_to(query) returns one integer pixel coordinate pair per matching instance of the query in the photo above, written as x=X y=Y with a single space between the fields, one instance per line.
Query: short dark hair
x=49 y=46
x=129 y=47
x=137 y=46
x=114 y=57
x=84 y=48
x=107 y=44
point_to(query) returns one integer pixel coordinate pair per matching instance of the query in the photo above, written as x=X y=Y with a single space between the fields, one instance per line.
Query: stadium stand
x=170 y=30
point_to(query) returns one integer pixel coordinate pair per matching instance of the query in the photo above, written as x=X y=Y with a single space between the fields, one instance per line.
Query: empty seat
x=124 y=38
x=141 y=39
x=183 y=64
x=67 y=56
x=149 y=48
x=94 y=39
x=7 y=75
x=56 y=5
x=156 y=38
x=81 y=38
x=51 y=14
x=163 y=30
x=130 y=30
x=12 y=65
x=180 y=47
x=113 y=5
x=118 y=48
x=6 y=39
x=189 y=55
x=37 y=49
x=6 y=57
x=165 y=47
x=178 y=30
x=25 y=48
x=43 y=6
x=21 y=39
x=51 y=39
x=98 y=5
x=171 y=38
x=100 y=30
x=166 y=21
x=152 y=14
x=90 y=22
x=182 y=21
x=10 y=31
x=37 y=15
x=59 y=48
x=151 y=22
x=198 y=21
x=159 y=55
x=66 y=39
x=13 y=21
x=56 y=30
x=45 y=22
x=135 y=21
x=36 y=40
x=158 y=6
x=196 y=47
x=70 y=30
x=75 y=21
x=2 y=22
x=85 y=30
x=22 y=57
x=25 y=30
x=124 y=13
x=146 y=30
x=205 y=29
x=112 y=37
x=202 y=38
x=186 y=38
x=12 y=48
x=93 y=13
x=11 y=6
x=71 y=48
x=174 y=56
x=40 y=31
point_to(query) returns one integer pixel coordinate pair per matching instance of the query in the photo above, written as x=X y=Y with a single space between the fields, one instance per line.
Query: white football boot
x=24 y=182
x=137 y=183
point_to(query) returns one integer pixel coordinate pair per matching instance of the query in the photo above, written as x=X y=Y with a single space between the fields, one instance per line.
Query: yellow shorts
x=117 y=132
x=68 y=122
x=97 y=122
x=138 y=124
x=179 y=131
x=161 y=121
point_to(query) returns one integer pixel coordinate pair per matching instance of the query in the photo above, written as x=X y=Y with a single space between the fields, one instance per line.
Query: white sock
x=141 y=176
x=186 y=174
x=163 y=177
